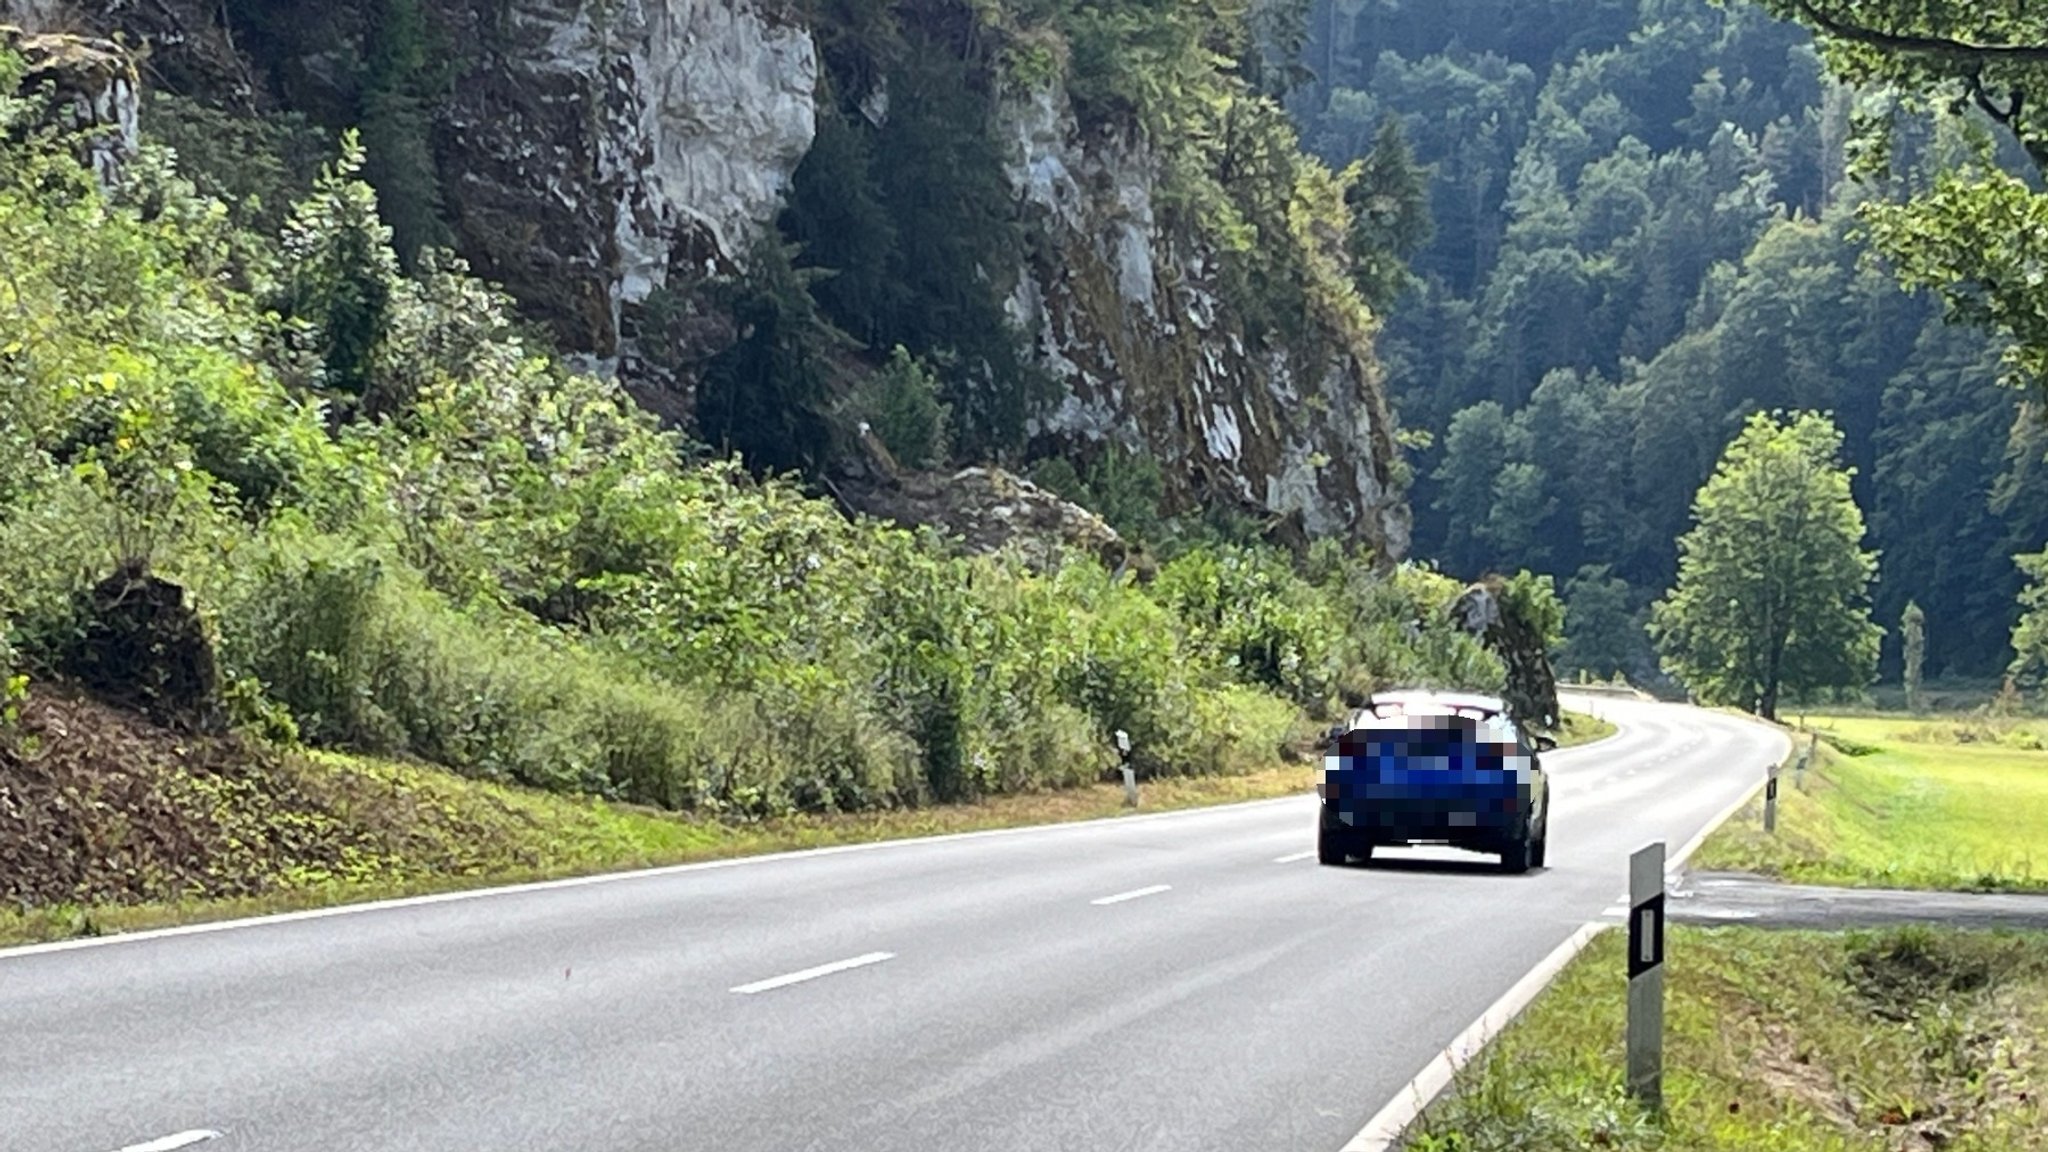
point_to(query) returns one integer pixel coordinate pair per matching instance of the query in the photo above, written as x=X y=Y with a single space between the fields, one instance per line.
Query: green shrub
x=1396 y=631
x=1248 y=611
x=901 y=404
x=366 y=657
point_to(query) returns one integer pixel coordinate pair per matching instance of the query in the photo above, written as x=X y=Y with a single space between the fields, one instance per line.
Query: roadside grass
x=448 y=833
x=1791 y=1041
x=444 y=833
x=1577 y=728
x=1957 y=802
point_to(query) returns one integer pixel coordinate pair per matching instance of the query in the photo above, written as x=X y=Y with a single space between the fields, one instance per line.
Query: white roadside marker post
x=1646 y=976
x=1771 y=800
x=1123 y=751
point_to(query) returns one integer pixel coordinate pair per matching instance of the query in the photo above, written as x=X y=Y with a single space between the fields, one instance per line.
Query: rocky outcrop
x=592 y=153
x=596 y=148
x=1531 y=692
x=90 y=85
x=143 y=647
x=1148 y=356
x=983 y=510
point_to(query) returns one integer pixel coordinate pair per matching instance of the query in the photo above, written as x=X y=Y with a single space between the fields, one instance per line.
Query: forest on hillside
x=1629 y=226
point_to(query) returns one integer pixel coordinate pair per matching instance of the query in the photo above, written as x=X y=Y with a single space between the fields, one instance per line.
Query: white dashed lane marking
x=174 y=1141
x=813 y=973
x=1298 y=856
x=1120 y=897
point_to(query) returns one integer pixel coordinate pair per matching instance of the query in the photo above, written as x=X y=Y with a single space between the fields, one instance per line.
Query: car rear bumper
x=1429 y=820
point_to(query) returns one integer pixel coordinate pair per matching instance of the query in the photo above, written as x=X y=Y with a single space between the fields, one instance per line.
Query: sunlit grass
x=1954 y=802
x=1792 y=1042
x=1578 y=728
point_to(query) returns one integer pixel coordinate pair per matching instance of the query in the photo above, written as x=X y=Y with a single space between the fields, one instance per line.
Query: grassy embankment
x=1793 y=1042
x=1950 y=803
x=1913 y=1039
x=322 y=829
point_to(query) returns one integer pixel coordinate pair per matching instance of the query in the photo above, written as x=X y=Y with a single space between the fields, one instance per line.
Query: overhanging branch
x=1945 y=47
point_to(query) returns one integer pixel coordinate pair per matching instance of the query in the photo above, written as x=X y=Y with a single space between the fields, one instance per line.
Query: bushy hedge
x=412 y=532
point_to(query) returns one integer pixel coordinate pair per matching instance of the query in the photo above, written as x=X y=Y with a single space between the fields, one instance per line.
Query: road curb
x=1385 y=1130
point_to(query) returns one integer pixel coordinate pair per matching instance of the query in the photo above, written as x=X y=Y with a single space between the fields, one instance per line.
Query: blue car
x=1434 y=768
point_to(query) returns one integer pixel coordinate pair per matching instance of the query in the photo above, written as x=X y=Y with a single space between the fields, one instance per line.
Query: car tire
x=1329 y=849
x=1541 y=851
x=1518 y=856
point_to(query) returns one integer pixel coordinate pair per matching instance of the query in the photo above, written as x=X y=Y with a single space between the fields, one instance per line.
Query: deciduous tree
x=1773 y=580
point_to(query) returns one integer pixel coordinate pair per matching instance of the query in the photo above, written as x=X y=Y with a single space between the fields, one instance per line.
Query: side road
x=1735 y=898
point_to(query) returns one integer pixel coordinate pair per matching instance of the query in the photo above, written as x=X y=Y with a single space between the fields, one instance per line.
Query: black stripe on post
x=1646 y=936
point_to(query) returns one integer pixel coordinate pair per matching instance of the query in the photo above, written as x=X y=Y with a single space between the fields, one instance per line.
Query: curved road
x=1188 y=981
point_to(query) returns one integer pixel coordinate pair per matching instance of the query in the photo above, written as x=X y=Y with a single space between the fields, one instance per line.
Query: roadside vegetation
x=139 y=833
x=1955 y=802
x=1791 y=1041
x=278 y=492
x=1579 y=728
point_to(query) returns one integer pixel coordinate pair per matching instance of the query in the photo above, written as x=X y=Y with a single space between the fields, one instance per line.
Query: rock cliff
x=590 y=153
x=1137 y=330
x=595 y=147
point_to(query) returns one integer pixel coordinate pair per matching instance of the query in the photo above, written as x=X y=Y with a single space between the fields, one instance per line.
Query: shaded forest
x=1632 y=226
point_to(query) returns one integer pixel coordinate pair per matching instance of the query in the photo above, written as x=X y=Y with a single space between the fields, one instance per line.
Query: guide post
x=1771 y=800
x=1646 y=976
x=1123 y=751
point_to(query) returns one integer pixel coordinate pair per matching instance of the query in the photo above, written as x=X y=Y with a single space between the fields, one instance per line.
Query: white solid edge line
x=1385 y=1129
x=613 y=877
x=813 y=973
x=175 y=1141
x=1134 y=894
x=1295 y=857
x=1674 y=866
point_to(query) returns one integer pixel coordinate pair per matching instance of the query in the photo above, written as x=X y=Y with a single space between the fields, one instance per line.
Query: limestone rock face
x=1532 y=685
x=987 y=510
x=598 y=147
x=91 y=86
x=592 y=153
x=1135 y=328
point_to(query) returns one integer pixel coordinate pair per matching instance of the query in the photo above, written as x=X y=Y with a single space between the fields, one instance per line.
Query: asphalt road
x=1734 y=898
x=1191 y=981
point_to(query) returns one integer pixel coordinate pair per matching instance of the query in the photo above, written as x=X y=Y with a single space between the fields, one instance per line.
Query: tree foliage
x=1600 y=627
x=1979 y=234
x=1771 y=599
x=1653 y=220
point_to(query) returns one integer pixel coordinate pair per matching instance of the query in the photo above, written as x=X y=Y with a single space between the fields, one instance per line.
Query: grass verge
x=1577 y=728
x=439 y=832
x=413 y=830
x=1794 y=1041
x=1956 y=803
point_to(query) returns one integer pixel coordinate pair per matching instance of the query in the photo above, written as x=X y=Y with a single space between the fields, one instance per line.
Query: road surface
x=1191 y=981
x=1733 y=898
